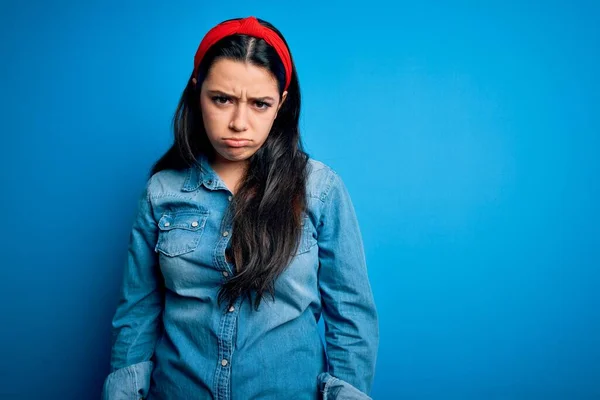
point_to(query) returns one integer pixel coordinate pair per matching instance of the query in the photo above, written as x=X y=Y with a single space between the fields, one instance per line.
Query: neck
x=230 y=172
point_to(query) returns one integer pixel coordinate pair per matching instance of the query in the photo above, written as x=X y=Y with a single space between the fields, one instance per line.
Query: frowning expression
x=239 y=103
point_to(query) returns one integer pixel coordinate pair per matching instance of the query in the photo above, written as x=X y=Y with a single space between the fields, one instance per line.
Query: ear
x=283 y=97
x=194 y=81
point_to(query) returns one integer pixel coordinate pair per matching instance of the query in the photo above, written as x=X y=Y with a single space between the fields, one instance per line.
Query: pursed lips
x=236 y=142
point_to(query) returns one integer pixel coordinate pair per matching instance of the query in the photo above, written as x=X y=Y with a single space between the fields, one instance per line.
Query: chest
x=193 y=246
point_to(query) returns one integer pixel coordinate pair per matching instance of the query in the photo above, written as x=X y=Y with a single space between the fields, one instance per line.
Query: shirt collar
x=202 y=174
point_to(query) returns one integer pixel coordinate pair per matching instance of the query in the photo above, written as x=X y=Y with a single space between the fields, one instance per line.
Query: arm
x=135 y=325
x=351 y=322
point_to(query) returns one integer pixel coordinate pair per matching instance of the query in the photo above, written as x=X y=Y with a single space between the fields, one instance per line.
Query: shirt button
x=225 y=233
x=167 y=224
x=224 y=362
x=229 y=198
x=195 y=224
x=225 y=273
x=231 y=309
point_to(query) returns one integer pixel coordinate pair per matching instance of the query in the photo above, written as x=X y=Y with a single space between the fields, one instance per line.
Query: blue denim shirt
x=171 y=339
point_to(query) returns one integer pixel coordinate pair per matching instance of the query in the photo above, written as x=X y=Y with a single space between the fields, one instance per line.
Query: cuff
x=333 y=388
x=128 y=383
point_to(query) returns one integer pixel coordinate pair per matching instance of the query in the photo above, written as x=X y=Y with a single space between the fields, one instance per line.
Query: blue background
x=467 y=135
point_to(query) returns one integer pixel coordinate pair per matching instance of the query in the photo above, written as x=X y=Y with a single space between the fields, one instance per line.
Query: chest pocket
x=307 y=241
x=179 y=232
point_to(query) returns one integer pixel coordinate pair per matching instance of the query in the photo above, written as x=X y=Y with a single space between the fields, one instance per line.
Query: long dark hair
x=268 y=207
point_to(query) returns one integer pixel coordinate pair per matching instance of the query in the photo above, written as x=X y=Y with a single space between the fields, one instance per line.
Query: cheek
x=214 y=121
x=264 y=121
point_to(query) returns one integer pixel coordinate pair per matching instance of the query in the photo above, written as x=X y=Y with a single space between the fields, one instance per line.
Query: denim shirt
x=171 y=339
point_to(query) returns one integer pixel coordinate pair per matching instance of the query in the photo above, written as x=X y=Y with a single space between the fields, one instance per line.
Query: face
x=239 y=102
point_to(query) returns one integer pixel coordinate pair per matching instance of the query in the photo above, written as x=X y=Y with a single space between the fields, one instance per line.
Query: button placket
x=227 y=331
x=227 y=325
x=221 y=256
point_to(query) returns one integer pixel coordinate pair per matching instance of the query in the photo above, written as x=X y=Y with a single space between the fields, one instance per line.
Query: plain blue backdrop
x=467 y=134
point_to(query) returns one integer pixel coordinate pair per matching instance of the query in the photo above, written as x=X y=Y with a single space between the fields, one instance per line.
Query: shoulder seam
x=331 y=177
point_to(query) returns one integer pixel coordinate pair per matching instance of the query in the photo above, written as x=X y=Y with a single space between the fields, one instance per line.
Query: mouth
x=236 y=142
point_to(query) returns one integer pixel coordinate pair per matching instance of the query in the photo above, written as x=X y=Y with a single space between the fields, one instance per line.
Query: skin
x=238 y=100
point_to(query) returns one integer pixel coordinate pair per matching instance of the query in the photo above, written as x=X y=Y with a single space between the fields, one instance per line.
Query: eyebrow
x=219 y=92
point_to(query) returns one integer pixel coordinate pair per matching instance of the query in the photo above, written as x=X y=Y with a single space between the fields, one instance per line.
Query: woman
x=241 y=243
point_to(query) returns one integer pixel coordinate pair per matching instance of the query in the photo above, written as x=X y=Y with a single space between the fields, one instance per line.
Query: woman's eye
x=220 y=99
x=262 y=105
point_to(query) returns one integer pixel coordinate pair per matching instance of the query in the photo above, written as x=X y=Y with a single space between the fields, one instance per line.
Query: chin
x=237 y=155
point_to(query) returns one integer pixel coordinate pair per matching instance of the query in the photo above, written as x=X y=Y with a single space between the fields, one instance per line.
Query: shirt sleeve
x=136 y=322
x=349 y=313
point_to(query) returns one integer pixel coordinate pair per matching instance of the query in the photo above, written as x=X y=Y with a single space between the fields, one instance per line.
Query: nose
x=239 y=121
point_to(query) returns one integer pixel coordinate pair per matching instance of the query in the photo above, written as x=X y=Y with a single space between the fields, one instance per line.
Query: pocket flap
x=192 y=221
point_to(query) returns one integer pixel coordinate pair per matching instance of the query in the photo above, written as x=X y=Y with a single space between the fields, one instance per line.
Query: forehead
x=238 y=76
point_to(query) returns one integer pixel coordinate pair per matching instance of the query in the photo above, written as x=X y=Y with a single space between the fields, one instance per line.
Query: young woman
x=241 y=243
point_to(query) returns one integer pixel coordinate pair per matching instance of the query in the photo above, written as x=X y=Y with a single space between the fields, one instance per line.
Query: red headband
x=251 y=27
